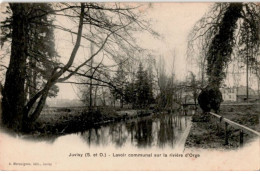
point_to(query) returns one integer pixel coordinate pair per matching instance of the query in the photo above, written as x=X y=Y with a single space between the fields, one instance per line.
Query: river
x=165 y=130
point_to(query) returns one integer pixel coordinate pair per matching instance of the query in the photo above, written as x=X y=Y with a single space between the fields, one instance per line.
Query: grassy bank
x=208 y=135
x=59 y=121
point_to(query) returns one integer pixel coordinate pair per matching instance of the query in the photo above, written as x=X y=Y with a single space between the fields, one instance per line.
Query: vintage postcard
x=147 y=86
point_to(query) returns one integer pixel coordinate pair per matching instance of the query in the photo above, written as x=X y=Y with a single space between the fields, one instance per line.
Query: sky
x=173 y=21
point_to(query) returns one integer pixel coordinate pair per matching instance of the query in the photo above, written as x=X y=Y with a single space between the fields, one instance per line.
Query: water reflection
x=160 y=131
x=166 y=131
x=143 y=133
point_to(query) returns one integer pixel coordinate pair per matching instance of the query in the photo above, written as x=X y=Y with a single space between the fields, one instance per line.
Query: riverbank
x=60 y=121
x=207 y=135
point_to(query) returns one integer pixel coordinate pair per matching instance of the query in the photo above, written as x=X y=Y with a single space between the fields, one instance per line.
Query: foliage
x=144 y=93
x=226 y=28
x=210 y=98
x=119 y=81
x=41 y=46
x=195 y=87
x=139 y=92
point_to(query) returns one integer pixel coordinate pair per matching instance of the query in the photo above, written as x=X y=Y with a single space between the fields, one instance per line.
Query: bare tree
x=111 y=23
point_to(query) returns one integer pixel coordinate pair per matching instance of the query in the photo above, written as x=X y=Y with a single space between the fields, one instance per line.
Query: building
x=238 y=94
x=242 y=96
x=229 y=94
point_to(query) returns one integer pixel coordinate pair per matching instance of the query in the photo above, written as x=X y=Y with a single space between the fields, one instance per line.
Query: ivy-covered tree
x=225 y=27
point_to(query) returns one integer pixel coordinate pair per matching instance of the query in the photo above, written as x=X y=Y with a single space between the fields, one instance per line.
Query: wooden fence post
x=226 y=133
x=241 y=137
x=217 y=124
x=243 y=129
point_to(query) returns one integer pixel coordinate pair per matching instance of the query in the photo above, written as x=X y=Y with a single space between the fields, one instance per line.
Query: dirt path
x=208 y=135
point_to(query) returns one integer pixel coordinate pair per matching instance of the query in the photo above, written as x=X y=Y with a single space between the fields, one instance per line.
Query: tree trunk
x=91 y=73
x=32 y=78
x=95 y=96
x=26 y=89
x=14 y=95
x=104 y=97
x=121 y=102
x=40 y=105
x=29 y=118
x=15 y=112
x=221 y=46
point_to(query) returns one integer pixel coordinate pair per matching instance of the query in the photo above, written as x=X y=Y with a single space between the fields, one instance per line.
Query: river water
x=165 y=130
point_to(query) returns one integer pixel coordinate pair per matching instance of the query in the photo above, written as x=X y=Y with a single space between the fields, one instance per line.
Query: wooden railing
x=243 y=129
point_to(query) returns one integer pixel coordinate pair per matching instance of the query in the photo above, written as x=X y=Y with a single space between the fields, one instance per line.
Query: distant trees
x=167 y=86
x=139 y=92
x=120 y=82
x=144 y=88
x=195 y=86
x=167 y=91
x=130 y=93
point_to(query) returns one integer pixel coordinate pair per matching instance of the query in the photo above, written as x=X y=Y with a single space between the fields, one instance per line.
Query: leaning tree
x=227 y=26
x=112 y=22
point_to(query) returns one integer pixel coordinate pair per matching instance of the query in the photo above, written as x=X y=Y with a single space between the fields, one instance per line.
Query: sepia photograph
x=130 y=86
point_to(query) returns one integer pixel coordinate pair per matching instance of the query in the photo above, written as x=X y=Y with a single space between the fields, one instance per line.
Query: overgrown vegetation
x=206 y=133
x=227 y=28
